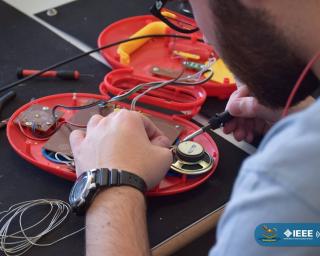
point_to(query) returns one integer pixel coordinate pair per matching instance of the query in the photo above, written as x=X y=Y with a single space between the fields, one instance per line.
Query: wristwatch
x=91 y=182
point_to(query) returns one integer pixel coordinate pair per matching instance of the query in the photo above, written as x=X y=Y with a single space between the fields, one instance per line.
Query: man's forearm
x=116 y=223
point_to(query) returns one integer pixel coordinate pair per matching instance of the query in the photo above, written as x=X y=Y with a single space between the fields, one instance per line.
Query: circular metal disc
x=200 y=167
x=190 y=148
x=190 y=152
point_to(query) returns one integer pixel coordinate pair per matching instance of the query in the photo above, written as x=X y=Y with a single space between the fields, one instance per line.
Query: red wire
x=298 y=83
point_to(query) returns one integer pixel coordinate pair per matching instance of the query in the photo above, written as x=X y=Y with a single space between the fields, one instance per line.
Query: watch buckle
x=114 y=177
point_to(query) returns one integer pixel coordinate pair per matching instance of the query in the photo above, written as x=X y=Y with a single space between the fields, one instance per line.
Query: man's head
x=260 y=41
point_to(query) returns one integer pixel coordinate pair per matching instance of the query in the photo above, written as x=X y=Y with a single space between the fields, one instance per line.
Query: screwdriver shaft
x=196 y=133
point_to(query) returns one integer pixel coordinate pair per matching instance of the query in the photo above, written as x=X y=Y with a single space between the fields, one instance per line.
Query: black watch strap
x=90 y=183
x=114 y=177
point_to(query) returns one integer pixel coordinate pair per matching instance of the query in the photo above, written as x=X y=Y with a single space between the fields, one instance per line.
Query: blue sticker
x=288 y=234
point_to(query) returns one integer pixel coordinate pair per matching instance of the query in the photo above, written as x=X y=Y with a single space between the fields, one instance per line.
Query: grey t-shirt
x=278 y=184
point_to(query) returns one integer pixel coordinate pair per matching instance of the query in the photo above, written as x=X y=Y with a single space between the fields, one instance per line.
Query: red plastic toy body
x=157 y=51
x=186 y=99
x=30 y=149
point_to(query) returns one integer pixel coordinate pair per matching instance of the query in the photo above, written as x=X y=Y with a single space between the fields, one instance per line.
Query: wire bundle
x=58 y=158
x=188 y=80
x=18 y=242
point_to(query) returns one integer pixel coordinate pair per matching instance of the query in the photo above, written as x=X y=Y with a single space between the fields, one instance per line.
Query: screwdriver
x=63 y=74
x=214 y=122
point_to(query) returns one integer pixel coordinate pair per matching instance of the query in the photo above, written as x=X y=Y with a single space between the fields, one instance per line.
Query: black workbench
x=26 y=43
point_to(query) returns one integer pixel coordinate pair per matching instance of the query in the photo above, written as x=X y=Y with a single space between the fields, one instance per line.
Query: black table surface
x=25 y=43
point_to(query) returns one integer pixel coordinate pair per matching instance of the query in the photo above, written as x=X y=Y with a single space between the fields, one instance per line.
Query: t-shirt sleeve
x=258 y=198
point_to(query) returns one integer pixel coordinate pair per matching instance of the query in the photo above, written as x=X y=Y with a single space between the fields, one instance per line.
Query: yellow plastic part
x=169 y=15
x=221 y=72
x=187 y=55
x=126 y=49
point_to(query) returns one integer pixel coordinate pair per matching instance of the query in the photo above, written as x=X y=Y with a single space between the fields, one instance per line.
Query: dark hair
x=258 y=53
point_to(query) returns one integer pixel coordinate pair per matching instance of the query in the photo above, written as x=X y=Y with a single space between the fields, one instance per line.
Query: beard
x=258 y=54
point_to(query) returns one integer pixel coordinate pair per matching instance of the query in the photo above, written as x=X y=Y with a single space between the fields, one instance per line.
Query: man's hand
x=252 y=118
x=124 y=140
x=129 y=141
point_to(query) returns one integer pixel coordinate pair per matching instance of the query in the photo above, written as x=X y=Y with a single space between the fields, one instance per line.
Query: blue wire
x=49 y=155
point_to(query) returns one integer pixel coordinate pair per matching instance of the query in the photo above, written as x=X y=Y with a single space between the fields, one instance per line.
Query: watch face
x=79 y=189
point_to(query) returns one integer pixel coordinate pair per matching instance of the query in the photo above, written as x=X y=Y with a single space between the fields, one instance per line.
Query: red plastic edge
x=122 y=29
x=172 y=97
x=30 y=150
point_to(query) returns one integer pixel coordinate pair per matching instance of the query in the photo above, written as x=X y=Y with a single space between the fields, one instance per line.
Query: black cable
x=5 y=98
x=66 y=61
x=104 y=102
x=96 y=103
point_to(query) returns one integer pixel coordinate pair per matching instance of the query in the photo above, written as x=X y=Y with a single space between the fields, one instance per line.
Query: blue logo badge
x=288 y=234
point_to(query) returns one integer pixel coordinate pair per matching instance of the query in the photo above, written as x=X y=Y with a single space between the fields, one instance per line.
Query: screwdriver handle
x=63 y=74
x=220 y=119
x=69 y=75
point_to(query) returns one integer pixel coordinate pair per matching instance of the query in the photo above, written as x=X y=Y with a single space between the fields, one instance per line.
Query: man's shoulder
x=278 y=184
x=295 y=139
x=290 y=154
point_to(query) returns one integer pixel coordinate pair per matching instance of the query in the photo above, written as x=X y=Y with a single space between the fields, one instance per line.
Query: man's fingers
x=249 y=130
x=243 y=107
x=76 y=137
x=239 y=93
x=230 y=126
x=151 y=129
x=242 y=129
x=161 y=141
x=93 y=122
x=239 y=134
x=242 y=91
x=250 y=137
x=139 y=121
x=154 y=134
x=249 y=107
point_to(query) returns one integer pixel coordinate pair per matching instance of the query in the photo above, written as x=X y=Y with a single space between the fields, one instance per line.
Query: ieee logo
x=300 y=233
x=288 y=233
